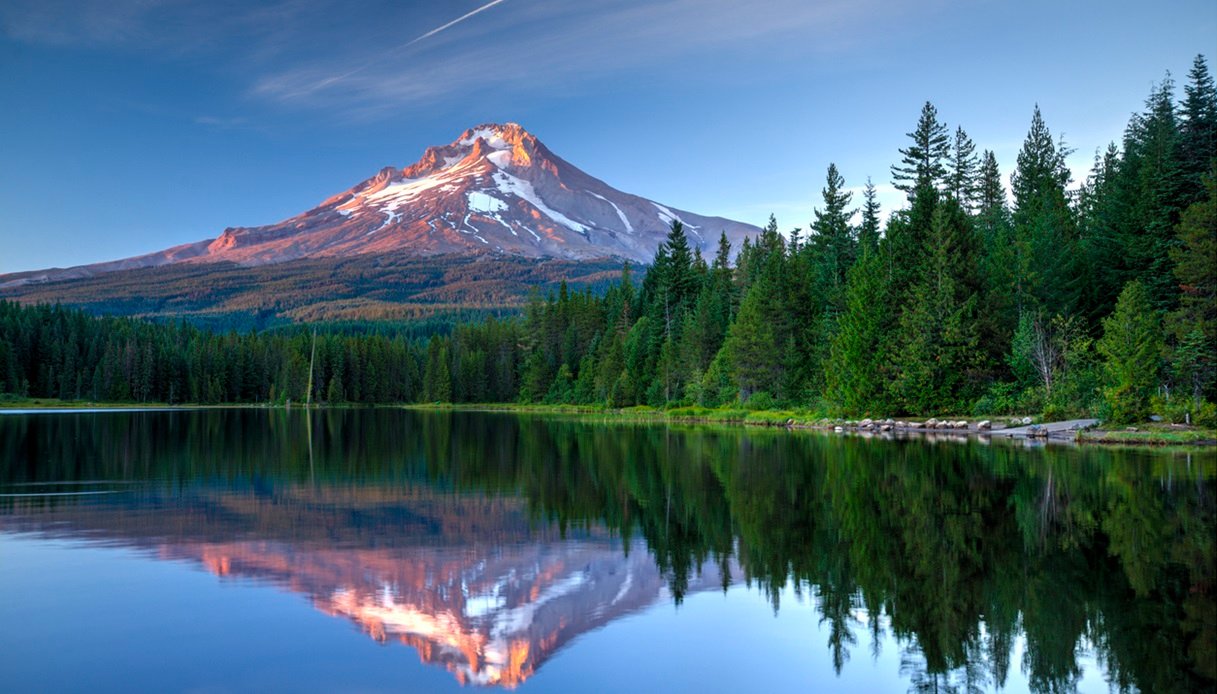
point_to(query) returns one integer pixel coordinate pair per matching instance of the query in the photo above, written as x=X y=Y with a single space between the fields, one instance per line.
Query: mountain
x=495 y=190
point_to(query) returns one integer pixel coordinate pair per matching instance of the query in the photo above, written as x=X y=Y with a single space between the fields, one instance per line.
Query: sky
x=128 y=126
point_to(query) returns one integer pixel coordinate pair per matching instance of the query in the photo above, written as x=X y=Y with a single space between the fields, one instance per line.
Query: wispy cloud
x=454 y=22
x=544 y=44
x=354 y=63
x=383 y=57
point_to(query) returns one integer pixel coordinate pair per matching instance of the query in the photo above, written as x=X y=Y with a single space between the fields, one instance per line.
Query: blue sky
x=127 y=126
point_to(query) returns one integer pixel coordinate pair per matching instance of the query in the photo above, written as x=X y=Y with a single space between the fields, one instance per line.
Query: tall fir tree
x=1194 y=324
x=1044 y=228
x=868 y=228
x=936 y=350
x=922 y=163
x=1153 y=182
x=963 y=171
x=1198 y=130
x=1099 y=251
x=854 y=371
x=835 y=246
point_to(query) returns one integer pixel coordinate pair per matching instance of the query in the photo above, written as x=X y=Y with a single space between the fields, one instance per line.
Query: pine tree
x=937 y=354
x=991 y=194
x=1152 y=175
x=922 y=162
x=1198 y=131
x=996 y=238
x=963 y=171
x=1100 y=253
x=1194 y=323
x=681 y=282
x=1043 y=224
x=437 y=381
x=834 y=244
x=756 y=340
x=1131 y=348
x=868 y=230
x=854 y=370
x=562 y=391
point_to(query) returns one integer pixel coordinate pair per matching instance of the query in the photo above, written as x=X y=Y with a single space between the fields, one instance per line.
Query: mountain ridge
x=496 y=189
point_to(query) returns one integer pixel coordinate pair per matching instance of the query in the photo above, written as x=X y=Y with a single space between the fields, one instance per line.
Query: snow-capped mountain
x=496 y=189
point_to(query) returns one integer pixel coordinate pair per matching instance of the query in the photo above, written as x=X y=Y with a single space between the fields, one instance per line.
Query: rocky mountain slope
x=495 y=190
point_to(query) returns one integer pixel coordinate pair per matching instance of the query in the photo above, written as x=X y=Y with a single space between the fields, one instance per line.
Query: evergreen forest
x=1051 y=296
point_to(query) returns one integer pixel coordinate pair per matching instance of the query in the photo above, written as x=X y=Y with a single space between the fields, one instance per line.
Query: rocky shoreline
x=1016 y=428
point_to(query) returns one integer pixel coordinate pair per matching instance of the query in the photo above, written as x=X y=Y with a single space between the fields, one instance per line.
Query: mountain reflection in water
x=488 y=542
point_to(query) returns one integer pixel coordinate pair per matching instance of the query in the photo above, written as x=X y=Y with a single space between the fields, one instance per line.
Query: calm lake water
x=252 y=550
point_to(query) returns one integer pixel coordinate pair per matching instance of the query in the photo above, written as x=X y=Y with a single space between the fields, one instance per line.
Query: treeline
x=1053 y=298
x=1050 y=298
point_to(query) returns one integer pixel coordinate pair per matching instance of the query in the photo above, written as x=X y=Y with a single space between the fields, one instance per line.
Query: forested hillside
x=1063 y=299
x=370 y=287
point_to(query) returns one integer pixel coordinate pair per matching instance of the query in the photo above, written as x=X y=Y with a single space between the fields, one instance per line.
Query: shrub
x=1000 y=398
x=1180 y=410
x=760 y=400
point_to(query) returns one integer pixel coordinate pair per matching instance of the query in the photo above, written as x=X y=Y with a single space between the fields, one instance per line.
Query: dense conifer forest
x=1052 y=297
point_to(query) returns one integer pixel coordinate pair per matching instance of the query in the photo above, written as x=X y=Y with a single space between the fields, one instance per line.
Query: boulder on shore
x=984 y=425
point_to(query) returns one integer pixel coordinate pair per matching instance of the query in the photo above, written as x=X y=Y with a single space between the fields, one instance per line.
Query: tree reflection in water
x=955 y=550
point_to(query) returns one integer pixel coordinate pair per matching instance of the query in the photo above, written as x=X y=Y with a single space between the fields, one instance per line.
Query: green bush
x=1177 y=411
x=760 y=400
x=1000 y=398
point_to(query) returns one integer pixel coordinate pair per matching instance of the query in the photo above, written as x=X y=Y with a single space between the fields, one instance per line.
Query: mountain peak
x=497 y=135
x=495 y=189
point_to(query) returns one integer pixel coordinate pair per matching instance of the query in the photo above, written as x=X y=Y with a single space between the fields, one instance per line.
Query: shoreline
x=1146 y=435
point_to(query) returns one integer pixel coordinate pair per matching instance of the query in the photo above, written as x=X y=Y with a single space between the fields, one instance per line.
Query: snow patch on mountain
x=481 y=202
x=500 y=158
x=501 y=175
x=510 y=185
x=492 y=135
x=629 y=228
x=395 y=195
x=668 y=216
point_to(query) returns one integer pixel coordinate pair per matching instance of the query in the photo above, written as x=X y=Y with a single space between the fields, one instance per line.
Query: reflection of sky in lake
x=120 y=619
x=387 y=549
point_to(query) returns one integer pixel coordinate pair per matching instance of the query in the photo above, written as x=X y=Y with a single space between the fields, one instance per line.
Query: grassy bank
x=10 y=403
x=1148 y=434
x=1155 y=434
x=643 y=413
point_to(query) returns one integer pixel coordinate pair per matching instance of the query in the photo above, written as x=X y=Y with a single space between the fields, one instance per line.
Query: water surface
x=396 y=550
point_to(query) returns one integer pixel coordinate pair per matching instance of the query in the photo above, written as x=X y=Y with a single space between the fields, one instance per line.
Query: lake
x=382 y=549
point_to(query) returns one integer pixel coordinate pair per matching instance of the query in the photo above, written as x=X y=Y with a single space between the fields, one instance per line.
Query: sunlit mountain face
x=490 y=544
x=477 y=224
x=495 y=190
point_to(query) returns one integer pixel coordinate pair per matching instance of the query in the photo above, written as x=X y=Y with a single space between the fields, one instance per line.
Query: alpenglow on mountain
x=496 y=189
